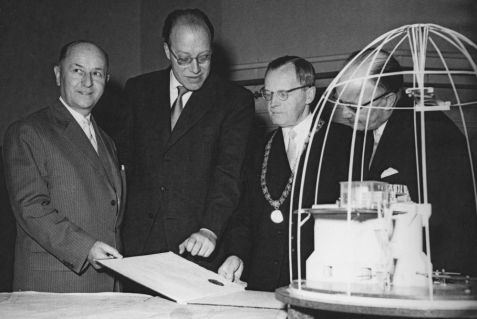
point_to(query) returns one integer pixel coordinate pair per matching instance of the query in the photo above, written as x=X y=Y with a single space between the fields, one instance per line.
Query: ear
x=166 y=50
x=391 y=100
x=57 y=70
x=310 y=94
x=107 y=77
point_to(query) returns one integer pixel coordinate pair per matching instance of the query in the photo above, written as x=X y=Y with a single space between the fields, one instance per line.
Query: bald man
x=64 y=183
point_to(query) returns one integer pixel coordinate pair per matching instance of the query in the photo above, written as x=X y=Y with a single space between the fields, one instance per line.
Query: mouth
x=88 y=93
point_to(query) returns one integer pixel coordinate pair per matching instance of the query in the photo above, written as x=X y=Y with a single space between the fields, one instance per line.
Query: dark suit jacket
x=453 y=224
x=190 y=178
x=254 y=237
x=64 y=197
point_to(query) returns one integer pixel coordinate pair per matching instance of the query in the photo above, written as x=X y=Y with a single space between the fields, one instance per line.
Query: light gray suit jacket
x=65 y=196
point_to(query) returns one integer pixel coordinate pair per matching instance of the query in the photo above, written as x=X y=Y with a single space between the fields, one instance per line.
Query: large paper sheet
x=172 y=276
x=247 y=298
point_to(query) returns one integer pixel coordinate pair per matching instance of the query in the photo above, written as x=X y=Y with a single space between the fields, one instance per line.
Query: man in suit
x=257 y=240
x=184 y=145
x=390 y=155
x=64 y=183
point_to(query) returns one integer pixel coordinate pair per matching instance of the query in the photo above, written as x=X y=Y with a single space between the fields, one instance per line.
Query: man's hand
x=201 y=243
x=101 y=250
x=232 y=269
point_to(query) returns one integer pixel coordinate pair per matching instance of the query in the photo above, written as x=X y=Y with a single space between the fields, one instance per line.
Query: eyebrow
x=82 y=66
x=201 y=53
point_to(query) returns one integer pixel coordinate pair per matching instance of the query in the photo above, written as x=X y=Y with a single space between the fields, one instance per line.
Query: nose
x=275 y=101
x=195 y=66
x=87 y=79
x=346 y=112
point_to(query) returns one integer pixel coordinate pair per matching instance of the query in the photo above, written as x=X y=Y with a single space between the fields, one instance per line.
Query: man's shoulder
x=33 y=122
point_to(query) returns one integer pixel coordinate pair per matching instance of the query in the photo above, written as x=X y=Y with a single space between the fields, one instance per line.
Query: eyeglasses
x=282 y=94
x=185 y=61
x=334 y=100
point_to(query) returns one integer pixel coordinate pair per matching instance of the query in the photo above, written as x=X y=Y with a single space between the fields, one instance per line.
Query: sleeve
x=27 y=182
x=239 y=233
x=451 y=193
x=225 y=188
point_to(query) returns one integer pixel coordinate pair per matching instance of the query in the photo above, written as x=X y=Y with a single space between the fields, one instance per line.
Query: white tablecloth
x=35 y=305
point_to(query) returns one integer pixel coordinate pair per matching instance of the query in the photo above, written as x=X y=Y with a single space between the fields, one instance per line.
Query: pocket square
x=388 y=172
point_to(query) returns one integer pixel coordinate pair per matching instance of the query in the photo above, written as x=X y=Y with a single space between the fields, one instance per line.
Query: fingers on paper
x=232 y=268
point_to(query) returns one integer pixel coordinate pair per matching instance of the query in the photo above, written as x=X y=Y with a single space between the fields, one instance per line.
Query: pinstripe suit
x=65 y=197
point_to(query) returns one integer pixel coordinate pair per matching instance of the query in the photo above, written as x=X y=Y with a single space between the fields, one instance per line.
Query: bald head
x=65 y=50
x=368 y=89
x=377 y=66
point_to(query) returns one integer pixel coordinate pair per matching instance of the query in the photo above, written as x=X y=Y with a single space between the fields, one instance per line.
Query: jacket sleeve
x=225 y=187
x=27 y=179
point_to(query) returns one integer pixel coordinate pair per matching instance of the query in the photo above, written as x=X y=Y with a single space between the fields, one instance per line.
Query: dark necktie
x=177 y=107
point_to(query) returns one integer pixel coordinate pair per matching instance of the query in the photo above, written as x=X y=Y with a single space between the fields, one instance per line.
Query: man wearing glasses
x=184 y=145
x=374 y=101
x=257 y=241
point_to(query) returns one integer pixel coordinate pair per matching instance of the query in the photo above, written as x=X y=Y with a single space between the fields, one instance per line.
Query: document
x=173 y=276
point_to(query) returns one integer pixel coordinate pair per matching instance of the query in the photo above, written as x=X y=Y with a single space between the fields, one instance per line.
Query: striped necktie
x=89 y=130
x=177 y=107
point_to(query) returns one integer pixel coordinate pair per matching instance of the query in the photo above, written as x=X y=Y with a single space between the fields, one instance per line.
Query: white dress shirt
x=302 y=131
x=174 y=92
x=83 y=122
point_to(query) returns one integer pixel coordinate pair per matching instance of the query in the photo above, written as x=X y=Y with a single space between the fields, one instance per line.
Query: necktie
x=89 y=130
x=177 y=107
x=375 y=145
x=291 y=149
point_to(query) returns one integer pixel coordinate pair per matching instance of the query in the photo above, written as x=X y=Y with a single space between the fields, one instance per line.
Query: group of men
x=199 y=184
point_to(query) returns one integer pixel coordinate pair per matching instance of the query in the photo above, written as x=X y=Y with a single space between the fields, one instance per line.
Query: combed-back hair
x=383 y=63
x=305 y=72
x=193 y=17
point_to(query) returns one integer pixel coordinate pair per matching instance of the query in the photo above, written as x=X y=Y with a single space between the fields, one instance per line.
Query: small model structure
x=372 y=248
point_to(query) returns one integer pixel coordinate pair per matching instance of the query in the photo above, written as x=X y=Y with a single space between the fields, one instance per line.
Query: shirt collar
x=377 y=133
x=301 y=128
x=173 y=81
x=80 y=118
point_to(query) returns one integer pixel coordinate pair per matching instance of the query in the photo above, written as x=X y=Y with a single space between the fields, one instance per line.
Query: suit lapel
x=76 y=139
x=392 y=139
x=199 y=104
x=108 y=160
x=160 y=111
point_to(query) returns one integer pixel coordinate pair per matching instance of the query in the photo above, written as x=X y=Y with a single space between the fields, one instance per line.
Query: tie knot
x=292 y=134
x=86 y=122
x=182 y=90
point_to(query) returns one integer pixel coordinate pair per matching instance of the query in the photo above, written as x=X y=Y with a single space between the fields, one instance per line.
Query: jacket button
x=150 y=215
x=113 y=202
x=163 y=189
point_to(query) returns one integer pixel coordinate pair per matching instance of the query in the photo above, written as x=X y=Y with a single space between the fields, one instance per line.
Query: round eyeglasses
x=335 y=100
x=185 y=61
x=282 y=94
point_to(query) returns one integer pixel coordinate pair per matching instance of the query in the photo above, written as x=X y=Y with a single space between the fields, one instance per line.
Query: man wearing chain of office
x=257 y=240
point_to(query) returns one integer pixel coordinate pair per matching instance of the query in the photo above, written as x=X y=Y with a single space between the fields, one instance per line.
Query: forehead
x=355 y=81
x=190 y=36
x=85 y=54
x=282 y=78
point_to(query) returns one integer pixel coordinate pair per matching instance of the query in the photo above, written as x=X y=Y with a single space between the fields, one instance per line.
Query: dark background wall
x=249 y=34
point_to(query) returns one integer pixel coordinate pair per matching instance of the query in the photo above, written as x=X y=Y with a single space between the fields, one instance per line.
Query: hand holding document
x=173 y=276
x=99 y=251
